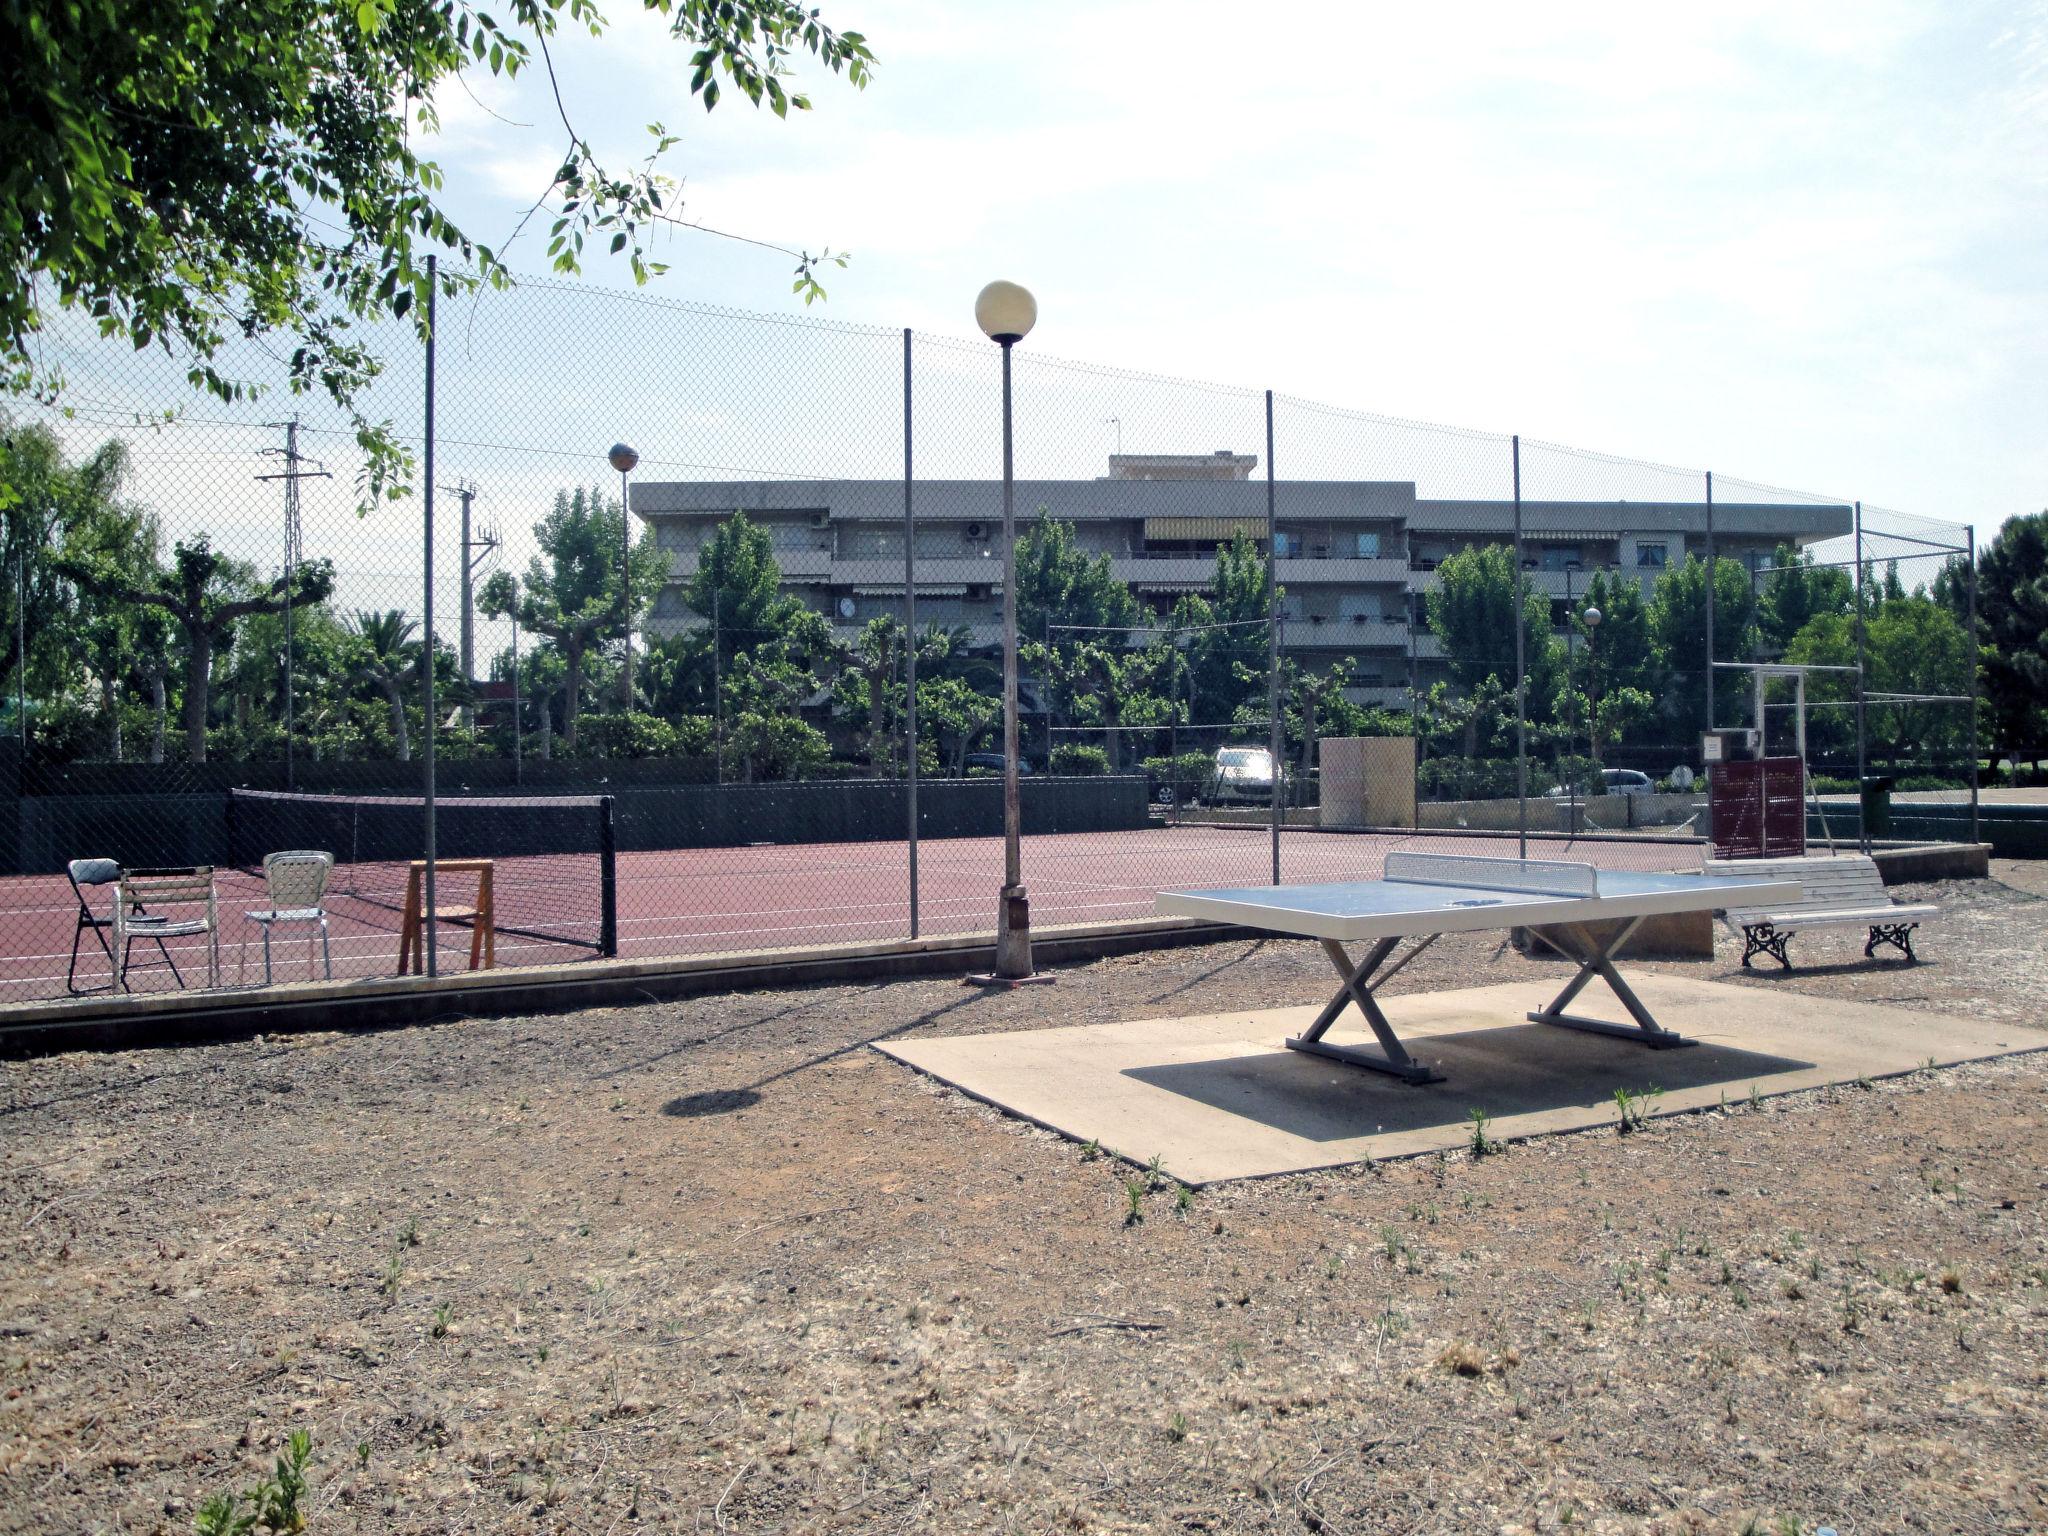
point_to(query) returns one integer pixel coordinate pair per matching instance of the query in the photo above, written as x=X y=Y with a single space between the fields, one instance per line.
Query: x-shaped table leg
x=1596 y=959
x=1357 y=989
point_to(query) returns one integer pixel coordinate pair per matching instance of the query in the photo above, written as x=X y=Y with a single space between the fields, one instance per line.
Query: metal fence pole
x=1273 y=638
x=1713 y=567
x=909 y=638
x=1862 y=739
x=1521 y=673
x=518 y=743
x=431 y=910
x=1970 y=630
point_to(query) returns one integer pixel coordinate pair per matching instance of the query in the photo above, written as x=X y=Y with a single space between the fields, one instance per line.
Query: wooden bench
x=1840 y=892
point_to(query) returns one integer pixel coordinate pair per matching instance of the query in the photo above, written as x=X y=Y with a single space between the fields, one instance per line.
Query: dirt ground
x=715 y=1266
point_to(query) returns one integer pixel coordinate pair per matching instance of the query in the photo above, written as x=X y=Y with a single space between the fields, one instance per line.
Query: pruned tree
x=205 y=594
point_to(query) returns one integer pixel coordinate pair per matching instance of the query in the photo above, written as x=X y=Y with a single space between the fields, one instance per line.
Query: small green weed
x=1134 y=1201
x=276 y=1503
x=1177 y=1427
x=1483 y=1145
x=444 y=1317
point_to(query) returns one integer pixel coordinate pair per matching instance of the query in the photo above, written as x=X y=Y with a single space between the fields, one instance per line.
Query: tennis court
x=726 y=900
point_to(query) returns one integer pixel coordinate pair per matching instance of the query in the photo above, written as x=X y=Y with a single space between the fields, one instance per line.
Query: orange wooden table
x=483 y=934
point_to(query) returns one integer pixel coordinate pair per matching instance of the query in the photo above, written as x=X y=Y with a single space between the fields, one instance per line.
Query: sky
x=1804 y=244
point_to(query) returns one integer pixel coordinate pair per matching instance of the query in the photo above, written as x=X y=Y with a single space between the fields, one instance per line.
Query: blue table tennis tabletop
x=1353 y=910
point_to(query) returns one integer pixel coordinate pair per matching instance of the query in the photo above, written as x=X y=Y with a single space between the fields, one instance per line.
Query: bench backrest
x=1844 y=880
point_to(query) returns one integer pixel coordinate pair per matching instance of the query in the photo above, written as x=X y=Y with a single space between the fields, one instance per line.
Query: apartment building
x=1356 y=559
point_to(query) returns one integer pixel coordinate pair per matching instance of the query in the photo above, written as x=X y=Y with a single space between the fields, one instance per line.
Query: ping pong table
x=1424 y=896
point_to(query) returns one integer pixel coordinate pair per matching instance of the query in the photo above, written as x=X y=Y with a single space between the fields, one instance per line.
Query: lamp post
x=1006 y=312
x=623 y=459
x=1592 y=617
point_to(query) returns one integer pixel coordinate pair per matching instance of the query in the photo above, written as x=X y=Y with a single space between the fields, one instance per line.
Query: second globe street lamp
x=1006 y=312
x=623 y=459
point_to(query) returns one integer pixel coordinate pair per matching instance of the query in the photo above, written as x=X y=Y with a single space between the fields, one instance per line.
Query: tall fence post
x=430 y=931
x=1273 y=638
x=909 y=639
x=1862 y=739
x=1713 y=569
x=1521 y=673
x=1970 y=610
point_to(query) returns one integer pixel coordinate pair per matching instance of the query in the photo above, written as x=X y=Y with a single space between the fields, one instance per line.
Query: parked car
x=1614 y=781
x=993 y=762
x=1242 y=775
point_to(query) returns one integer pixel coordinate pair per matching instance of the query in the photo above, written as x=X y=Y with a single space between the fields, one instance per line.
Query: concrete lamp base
x=1013 y=942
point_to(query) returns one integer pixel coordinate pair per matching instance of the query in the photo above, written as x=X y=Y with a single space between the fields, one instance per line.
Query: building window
x=1557 y=557
x=1286 y=545
x=1369 y=546
x=1650 y=557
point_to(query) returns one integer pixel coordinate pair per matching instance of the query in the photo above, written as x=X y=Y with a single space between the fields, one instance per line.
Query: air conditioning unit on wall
x=973 y=533
x=821 y=519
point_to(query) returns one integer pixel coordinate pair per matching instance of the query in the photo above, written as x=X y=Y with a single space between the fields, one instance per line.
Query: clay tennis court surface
x=716 y=1265
x=735 y=900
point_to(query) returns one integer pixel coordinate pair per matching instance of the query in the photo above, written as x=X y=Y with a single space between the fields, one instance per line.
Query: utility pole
x=294 y=552
x=476 y=548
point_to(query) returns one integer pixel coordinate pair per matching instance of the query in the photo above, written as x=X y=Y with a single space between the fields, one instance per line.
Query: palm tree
x=386 y=657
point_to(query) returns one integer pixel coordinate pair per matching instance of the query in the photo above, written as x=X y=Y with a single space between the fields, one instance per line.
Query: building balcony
x=1308 y=571
x=1343 y=633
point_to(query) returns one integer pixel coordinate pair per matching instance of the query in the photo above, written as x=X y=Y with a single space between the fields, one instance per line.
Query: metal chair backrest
x=91 y=872
x=298 y=878
x=84 y=872
x=168 y=886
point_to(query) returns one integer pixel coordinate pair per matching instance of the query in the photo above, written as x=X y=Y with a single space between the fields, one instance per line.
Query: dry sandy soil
x=715 y=1266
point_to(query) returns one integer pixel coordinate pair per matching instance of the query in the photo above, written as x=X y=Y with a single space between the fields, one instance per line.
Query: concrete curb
x=107 y=1022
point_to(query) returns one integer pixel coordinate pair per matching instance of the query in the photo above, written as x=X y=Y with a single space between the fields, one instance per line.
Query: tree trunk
x=396 y=701
x=112 y=707
x=877 y=738
x=198 y=679
x=572 y=653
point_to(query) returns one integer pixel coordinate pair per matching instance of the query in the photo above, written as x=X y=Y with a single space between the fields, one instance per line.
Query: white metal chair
x=142 y=890
x=296 y=882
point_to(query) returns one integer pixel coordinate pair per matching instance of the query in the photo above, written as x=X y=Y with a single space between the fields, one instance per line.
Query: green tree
x=1058 y=583
x=570 y=594
x=2012 y=620
x=737 y=585
x=1912 y=645
x=1472 y=612
x=1678 y=635
x=1607 y=686
x=387 y=658
x=191 y=172
x=205 y=595
x=957 y=716
x=1795 y=592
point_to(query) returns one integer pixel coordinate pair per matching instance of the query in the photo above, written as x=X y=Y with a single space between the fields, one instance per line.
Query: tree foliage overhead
x=1472 y=611
x=189 y=171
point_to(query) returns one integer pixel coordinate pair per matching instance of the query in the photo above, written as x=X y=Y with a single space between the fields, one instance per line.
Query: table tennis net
x=1526 y=877
x=554 y=870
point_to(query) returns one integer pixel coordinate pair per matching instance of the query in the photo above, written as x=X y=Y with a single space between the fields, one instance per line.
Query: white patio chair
x=137 y=915
x=296 y=882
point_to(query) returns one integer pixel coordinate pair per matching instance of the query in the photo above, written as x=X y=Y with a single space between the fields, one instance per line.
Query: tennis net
x=554 y=865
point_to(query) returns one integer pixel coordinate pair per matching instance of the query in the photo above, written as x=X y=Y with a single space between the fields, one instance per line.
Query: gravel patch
x=713 y=1265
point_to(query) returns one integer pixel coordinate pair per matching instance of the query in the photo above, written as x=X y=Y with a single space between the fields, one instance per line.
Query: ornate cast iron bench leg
x=1763 y=939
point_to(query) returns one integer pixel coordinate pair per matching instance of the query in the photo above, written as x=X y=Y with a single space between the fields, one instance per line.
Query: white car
x=1242 y=775
x=1614 y=781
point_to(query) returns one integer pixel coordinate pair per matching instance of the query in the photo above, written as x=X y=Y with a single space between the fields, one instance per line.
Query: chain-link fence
x=740 y=687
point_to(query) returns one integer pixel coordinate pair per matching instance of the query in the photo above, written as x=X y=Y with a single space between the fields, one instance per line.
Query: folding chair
x=95 y=873
x=168 y=887
x=296 y=882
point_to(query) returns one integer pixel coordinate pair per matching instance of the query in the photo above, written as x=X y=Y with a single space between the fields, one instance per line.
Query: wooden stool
x=413 y=937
